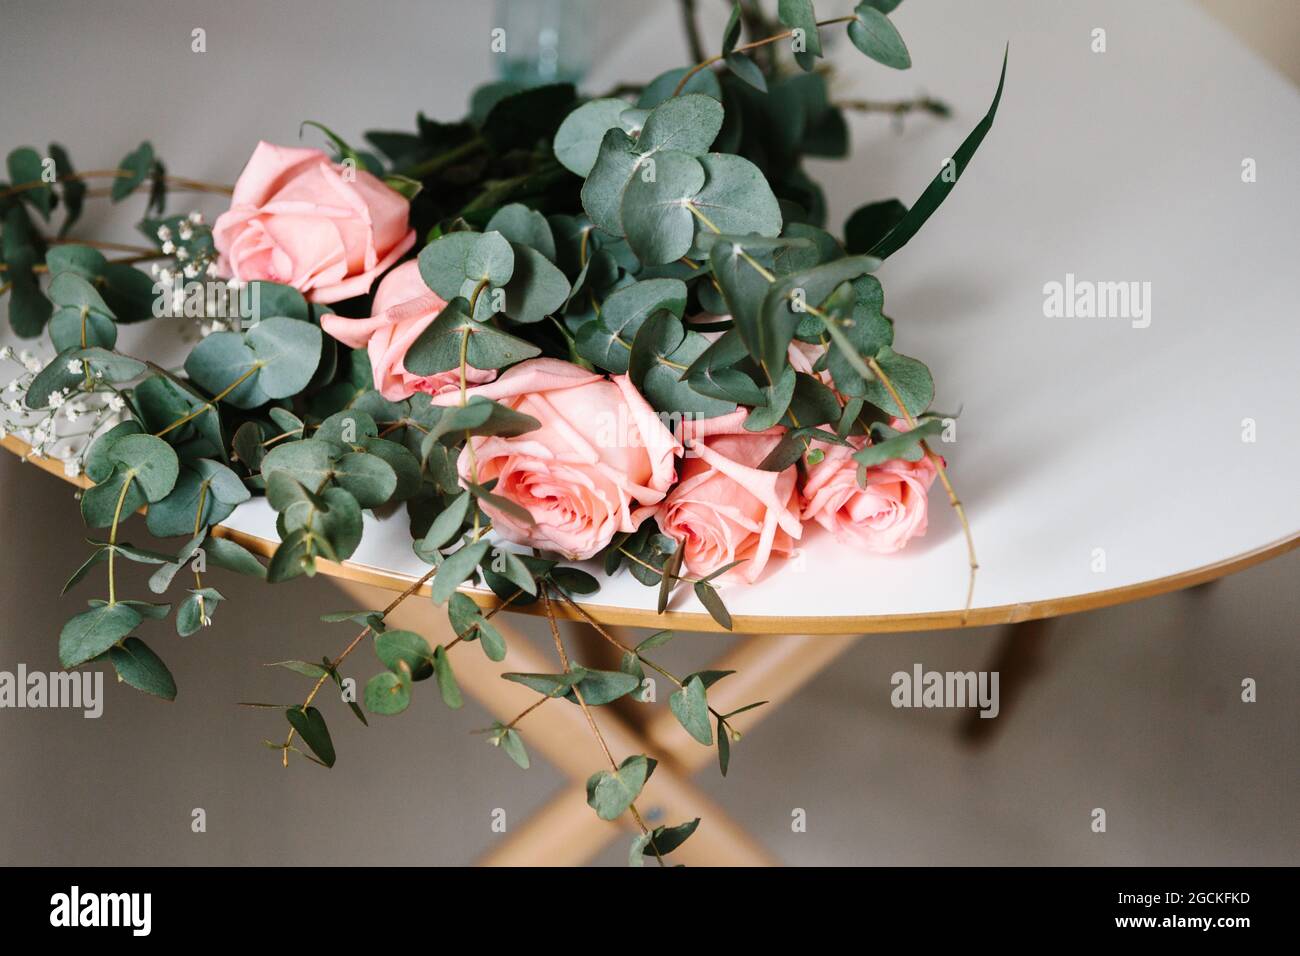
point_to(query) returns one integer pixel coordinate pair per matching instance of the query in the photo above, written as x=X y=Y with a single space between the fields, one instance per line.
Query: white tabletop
x=1076 y=434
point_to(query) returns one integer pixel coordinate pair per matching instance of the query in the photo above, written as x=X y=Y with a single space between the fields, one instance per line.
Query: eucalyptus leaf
x=136 y=165
x=312 y=729
x=874 y=34
x=911 y=380
x=398 y=649
x=735 y=199
x=446 y=679
x=137 y=665
x=607 y=341
x=610 y=793
x=690 y=706
x=656 y=207
x=91 y=633
x=535 y=290
x=798 y=14
x=455 y=264
x=438 y=348
x=388 y=693
x=902 y=445
x=456 y=568
x=578 y=139
x=666 y=839
x=25 y=169
x=526 y=227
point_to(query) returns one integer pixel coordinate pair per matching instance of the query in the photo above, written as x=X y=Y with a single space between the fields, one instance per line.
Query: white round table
x=1101 y=458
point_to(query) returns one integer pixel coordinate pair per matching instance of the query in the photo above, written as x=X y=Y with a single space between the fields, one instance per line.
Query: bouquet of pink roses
x=559 y=330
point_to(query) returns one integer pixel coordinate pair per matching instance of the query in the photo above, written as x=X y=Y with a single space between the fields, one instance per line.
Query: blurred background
x=1135 y=709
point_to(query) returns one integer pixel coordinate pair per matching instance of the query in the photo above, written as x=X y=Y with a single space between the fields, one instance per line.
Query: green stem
x=198 y=523
x=437 y=163
x=210 y=403
x=746 y=47
x=112 y=537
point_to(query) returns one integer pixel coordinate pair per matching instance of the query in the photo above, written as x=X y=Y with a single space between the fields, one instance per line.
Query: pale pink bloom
x=403 y=308
x=882 y=517
x=298 y=219
x=727 y=509
x=598 y=465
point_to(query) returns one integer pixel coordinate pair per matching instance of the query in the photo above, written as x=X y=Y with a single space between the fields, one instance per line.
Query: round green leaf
x=526 y=227
x=405 y=648
x=288 y=350
x=308 y=461
x=219 y=361
x=455 y=264
x=736 y=199
x=369 y=478
x=577 y=141
x=151 y=461
x=656 y=212
x=536 y=289
x=388 y=693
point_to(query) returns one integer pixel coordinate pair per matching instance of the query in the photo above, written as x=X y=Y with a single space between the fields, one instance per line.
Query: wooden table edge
x=751 y=624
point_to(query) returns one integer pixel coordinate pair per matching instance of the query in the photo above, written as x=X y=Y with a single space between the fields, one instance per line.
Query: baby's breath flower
x=116 y=403
x=75 y=367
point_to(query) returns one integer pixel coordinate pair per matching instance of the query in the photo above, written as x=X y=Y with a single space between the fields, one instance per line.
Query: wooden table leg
x=768 y=667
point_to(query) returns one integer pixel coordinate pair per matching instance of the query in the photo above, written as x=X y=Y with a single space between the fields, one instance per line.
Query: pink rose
x=726 y=509
x=598 y=465
x=883 y=516
x=294 y=218
x=404 y=307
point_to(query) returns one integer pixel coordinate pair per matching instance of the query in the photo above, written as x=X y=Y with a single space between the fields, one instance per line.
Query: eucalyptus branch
x=212 y=402
x=138 y=253
x=591 y=721
x=868 y=370
x=175 y=181
x=334 y=665
x=627 y=650
x=922 y=104
x=937 y=461
x=746 y=47
x=528 y=710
